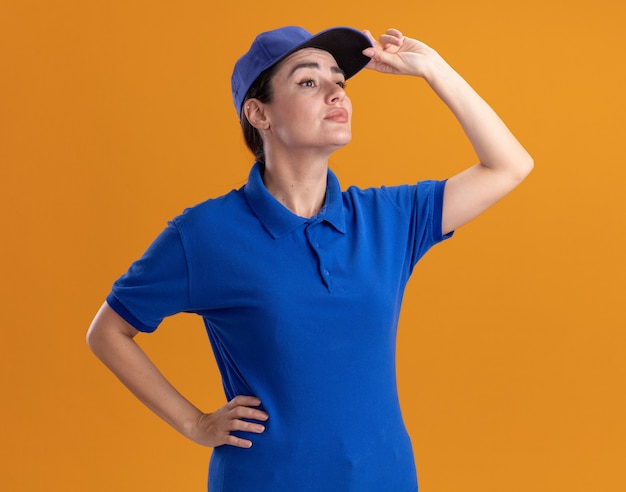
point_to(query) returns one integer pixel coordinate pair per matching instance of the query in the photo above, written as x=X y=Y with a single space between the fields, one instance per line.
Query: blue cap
x=344 y=43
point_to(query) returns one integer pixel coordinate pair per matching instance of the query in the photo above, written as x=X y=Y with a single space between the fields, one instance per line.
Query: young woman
x=300 y=284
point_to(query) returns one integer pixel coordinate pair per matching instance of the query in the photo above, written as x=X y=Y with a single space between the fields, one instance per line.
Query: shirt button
x=326 y=272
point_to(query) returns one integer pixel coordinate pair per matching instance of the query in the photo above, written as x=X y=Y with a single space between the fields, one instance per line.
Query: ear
x=254 y=111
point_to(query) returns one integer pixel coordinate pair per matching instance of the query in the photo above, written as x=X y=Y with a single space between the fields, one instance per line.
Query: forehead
x=307 y=55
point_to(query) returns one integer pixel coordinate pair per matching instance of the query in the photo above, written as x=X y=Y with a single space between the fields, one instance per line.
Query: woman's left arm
x=503 y=162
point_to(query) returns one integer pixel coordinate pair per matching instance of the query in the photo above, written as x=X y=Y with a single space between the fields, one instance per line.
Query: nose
x=336 y=93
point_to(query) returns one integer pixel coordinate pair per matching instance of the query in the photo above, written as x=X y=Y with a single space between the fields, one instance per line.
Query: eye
x=342 y=84
x=307 y=83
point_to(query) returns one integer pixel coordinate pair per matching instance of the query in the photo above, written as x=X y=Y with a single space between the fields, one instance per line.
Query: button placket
x=312 y=233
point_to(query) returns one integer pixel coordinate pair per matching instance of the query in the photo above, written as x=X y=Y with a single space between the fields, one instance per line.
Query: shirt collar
x=279 y=220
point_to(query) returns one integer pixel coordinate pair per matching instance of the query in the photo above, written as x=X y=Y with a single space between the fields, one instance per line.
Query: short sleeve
x=155 y=286
x=424 y=204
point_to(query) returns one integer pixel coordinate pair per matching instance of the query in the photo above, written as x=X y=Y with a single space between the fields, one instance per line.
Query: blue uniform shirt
x=301 y=313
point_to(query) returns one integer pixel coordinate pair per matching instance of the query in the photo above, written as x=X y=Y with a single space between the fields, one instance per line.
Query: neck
x=299 y=184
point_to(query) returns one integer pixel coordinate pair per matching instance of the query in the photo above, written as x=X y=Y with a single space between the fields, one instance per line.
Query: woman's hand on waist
x=215 y=429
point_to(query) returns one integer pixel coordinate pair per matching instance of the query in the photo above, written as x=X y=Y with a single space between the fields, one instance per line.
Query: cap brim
x=345 y=44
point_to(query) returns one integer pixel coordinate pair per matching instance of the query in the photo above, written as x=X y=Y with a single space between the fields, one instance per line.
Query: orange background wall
x=114 y=116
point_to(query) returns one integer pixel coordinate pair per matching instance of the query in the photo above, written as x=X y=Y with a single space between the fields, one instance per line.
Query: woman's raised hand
x=397 y=54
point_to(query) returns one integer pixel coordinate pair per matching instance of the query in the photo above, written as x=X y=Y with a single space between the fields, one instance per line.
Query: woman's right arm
x=111 y=339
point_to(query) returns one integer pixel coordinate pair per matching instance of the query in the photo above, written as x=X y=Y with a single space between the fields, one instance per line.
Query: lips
x=338 y=115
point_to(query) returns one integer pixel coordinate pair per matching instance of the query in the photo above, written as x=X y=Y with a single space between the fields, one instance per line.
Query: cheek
x=297 y=116
x=285 y=110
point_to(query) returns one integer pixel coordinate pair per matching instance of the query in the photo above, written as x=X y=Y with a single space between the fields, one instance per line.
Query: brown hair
x=260 y=89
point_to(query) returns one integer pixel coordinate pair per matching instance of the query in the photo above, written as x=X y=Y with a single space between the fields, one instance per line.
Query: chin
x=342 y=140
x=338 y=146
x=345 y=142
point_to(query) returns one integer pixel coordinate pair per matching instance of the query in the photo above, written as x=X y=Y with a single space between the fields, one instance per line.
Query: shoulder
x=404 y=198
x=220 y=223
x=211 y=211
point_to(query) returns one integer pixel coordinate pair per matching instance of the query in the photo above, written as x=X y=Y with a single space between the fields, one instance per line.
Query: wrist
x=188 y=424
x=437 y=70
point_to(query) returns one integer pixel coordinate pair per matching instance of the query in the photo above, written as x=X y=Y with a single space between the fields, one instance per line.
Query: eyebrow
x=333 y=68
